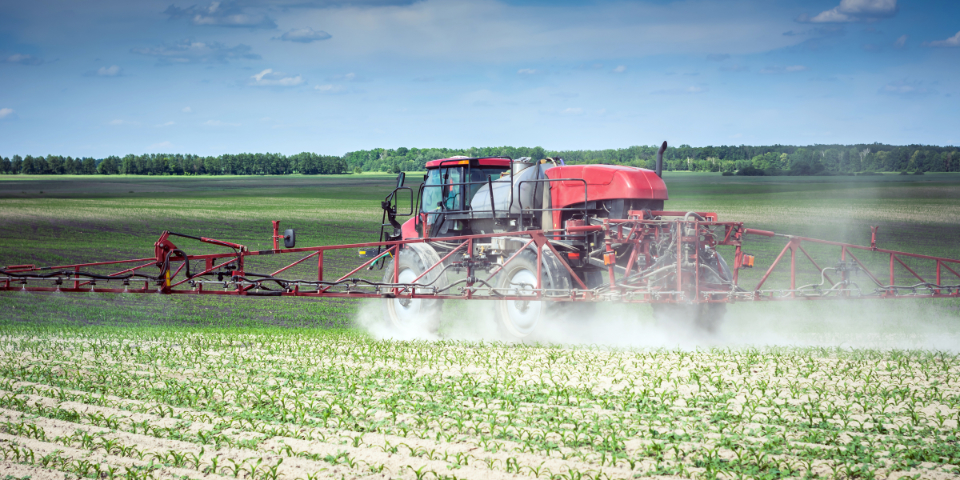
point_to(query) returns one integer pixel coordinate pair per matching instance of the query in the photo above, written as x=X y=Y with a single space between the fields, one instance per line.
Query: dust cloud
x=872 y=324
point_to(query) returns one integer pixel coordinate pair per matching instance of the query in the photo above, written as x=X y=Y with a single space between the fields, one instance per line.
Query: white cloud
x=187 y=110
x=221 y=13
x=788 y=69
x=855 y=11
x=572 y=111
x=269 y=78
x=192 y=51
x=527 y=71
x=111 y=71
x=7 y=113
x=329 y=88
x=903 y=41
x=166 y=124
x=158 y=146
x=218 y=123
x=522 y=34
x=303 y=35
x=346 y=77
x=23 y=59
x=620 y=69
x=735 y=68
x=904 y=88
x=953 y=41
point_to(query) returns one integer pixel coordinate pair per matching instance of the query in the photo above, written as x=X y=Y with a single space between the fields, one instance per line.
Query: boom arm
x=660 y=267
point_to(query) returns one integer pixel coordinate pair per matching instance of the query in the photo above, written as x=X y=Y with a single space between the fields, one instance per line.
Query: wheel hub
x=523 y=315
x=522 y=305
x=406 y=311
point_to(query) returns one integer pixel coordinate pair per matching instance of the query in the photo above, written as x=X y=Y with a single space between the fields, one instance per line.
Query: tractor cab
x=447 y=189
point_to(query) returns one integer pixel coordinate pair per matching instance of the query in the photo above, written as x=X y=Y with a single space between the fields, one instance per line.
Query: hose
x=166 y=262
x=69 y=274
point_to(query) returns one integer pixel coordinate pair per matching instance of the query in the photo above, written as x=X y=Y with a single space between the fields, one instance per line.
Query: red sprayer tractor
x=536 y=238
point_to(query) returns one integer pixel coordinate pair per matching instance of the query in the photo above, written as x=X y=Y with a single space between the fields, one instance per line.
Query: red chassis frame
x=635 y=232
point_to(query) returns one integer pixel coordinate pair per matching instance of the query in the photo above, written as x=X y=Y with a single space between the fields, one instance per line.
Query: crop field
x=338 y=404
x=148 y=386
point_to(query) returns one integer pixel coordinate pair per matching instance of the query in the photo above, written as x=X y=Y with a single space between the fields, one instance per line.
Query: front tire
x=519 y=319
x=411 y=315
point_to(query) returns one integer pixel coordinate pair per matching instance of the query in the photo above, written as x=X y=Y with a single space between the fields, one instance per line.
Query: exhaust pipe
x=663 y=148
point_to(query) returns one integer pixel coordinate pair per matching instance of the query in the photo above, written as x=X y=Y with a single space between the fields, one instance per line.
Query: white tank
x=525 y=191
x=522 y=163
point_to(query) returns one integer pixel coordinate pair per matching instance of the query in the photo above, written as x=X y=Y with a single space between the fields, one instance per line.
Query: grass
x=140 y=386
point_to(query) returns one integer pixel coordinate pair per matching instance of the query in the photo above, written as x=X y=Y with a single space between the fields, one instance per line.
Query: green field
x=150 y=386
x=78 y=219
x=57 y=220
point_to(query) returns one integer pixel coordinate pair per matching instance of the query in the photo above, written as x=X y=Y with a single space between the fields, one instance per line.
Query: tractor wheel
x=698 y=317
x=418 y=314
x=518 y=319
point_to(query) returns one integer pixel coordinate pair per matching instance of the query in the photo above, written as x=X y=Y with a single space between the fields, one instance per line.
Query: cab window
x=431 y=191
x=443 y=190
x=479 y=177
x=453 y=191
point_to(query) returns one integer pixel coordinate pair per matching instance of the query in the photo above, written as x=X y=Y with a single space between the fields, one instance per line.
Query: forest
x=177 y=164
x=740 y=160
x=743 y=159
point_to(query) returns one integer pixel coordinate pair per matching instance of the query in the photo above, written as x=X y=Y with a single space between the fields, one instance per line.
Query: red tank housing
x=604 y=182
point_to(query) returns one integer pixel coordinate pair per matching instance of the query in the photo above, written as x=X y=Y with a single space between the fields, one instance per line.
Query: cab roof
x=482 y=161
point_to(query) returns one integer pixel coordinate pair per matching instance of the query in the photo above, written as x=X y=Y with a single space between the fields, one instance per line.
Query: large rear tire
x=519 y=319
x=418 y=314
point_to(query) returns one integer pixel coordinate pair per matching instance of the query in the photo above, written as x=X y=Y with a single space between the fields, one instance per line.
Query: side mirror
x=289 y=238
x=400 y=179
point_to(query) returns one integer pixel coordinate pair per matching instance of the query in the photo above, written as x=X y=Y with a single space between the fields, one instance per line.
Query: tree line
x=742 y=160
x=177 y=164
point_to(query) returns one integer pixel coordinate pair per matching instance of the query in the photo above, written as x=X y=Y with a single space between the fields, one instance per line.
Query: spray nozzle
x=848 y=266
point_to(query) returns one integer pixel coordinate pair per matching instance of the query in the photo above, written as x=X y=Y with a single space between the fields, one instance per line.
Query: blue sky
x=101 y=78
